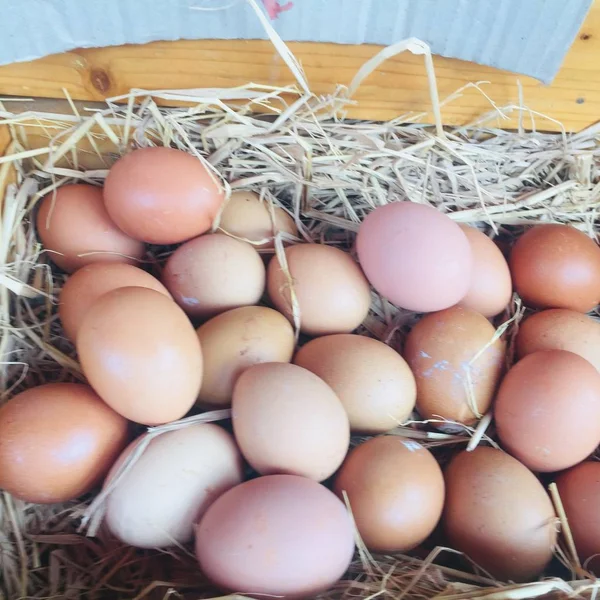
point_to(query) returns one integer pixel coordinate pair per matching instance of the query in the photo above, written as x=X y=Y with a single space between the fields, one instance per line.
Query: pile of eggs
x=215 y=331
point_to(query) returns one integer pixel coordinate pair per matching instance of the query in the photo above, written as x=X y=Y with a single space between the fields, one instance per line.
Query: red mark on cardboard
x=273 y=7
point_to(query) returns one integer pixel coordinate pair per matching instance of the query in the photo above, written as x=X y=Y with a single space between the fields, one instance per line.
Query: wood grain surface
x=399 y=86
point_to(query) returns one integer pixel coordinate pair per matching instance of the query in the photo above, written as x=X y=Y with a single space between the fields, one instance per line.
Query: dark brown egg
x=396 y=492
x=579 y=490
x=162 y=195
x=75 y=226
x=556 y=266
x=548 y=410
x=57 y=441
x=498 y=514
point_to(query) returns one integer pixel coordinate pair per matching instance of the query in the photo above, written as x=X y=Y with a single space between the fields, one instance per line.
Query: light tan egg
x=332 y=294
x=214 y=273
x=288 y=420
x=246 y=216
x=237 y=339
x=373 y=382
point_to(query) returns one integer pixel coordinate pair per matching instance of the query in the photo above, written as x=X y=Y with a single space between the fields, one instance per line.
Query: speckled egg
x=456 y=362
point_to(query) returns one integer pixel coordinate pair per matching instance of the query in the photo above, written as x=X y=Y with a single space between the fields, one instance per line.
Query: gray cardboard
x=525 y=36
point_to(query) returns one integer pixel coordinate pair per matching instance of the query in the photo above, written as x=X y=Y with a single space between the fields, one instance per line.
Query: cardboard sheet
x=524 y=36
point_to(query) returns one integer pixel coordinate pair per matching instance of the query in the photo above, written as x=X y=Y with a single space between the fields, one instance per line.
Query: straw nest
x=328 y=173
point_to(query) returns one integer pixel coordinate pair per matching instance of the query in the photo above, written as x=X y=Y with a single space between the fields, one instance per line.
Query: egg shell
x=85 y=286
x=560 y=329
x=74 y=225
x=490 y=287
x=237 y=339
x=579 y=490
x=415 y=256
x=332 y=293
x=287 y=420
x=162 y=195
x=214 y=273
x=141 y=354
x=373 y=382
x=57 y=441
x=498 y=514
x=246 y=216
x=556 y=266
x=279 y=535
x=396 y=492
x=449 y=352
x=548 y=410
x=171 y=485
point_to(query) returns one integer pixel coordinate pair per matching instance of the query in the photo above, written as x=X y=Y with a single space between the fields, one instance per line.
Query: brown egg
x=245 y=216
x=75 y=227
x=579 y=490
x=168 y=489
x=556 y=266
x=490 y=287
x=141 y=354
x=450 y=353
x=548 y=410
x=415 y=256
x=214 y=273
x=85 y=286
x=498 y=514
x=162 y=195
x=374 y=383
x=57 y=441
x=560 y=329
x=396 y=492
x=287 y=420
x=332 y=293
x=282 y=536
x=237 y=339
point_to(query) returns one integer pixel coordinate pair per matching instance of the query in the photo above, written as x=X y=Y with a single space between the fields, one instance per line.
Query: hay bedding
x=328 y=173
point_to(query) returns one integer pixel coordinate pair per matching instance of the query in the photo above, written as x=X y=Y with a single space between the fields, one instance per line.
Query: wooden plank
x=398 y=87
